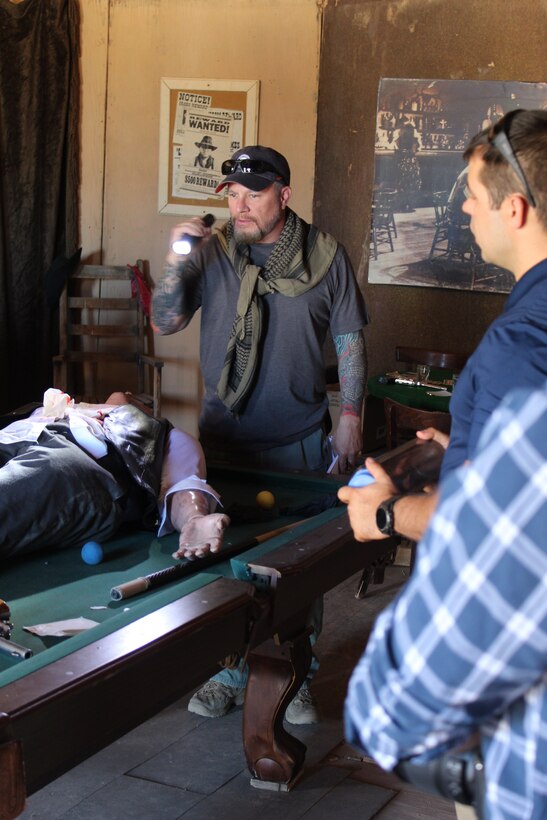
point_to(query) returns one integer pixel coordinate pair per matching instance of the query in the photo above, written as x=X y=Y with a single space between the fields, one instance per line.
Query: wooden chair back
x=104 y=330
x=440 y=200
x=403 y=422
x=442 y=360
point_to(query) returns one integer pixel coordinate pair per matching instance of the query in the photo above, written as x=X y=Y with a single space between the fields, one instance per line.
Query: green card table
x=417 y=396
x=77 y=694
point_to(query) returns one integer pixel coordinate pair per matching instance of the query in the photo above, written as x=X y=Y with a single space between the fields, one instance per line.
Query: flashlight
x=184 y=244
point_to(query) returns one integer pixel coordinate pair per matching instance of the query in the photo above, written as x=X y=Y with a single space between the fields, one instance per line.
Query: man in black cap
x=270 y=288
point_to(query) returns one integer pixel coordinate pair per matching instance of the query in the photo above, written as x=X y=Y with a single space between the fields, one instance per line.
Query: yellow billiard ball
x=265 y=499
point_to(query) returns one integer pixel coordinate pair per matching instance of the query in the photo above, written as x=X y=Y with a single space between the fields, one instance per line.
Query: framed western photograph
x=419 y=235
x=202 y=123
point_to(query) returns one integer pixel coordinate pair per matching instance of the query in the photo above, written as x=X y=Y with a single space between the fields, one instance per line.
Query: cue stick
x=165 y=576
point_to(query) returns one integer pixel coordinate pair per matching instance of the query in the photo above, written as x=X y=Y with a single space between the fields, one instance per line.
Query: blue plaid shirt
x=464 y=646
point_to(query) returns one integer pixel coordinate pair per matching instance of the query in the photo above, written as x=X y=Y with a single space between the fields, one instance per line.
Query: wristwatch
x=385 y=518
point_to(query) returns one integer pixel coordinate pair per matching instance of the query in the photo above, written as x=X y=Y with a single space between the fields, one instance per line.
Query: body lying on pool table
x=63 y=704
x=71 y=472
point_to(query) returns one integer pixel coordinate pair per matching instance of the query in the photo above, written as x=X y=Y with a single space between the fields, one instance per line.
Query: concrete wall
x=127 y=46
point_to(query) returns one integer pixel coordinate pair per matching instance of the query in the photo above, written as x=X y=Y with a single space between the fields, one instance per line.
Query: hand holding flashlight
x=190 y=233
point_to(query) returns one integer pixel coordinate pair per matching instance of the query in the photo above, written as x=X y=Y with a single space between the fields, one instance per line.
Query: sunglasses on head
x=499 y=137
x=247 y=166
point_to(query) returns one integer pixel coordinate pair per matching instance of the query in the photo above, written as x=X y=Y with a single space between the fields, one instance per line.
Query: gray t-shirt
x=288 y=400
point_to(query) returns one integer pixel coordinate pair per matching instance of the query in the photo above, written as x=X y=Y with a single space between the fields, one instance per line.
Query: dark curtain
x=39 y=176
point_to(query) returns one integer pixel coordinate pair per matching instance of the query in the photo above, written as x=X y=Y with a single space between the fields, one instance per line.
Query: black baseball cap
x=255 y=167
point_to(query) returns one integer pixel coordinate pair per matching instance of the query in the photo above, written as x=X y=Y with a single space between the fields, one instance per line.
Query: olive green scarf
x=298 y=262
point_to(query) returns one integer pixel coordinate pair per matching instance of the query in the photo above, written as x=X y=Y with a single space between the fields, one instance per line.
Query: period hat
x=206 y=142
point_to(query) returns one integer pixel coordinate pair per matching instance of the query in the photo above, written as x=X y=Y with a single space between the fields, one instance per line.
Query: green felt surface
x=58 y=585
x=411 y=395
x=240 y=564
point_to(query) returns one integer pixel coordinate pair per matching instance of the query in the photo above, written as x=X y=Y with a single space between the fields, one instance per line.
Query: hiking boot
x=302 y=708
x=215 y=699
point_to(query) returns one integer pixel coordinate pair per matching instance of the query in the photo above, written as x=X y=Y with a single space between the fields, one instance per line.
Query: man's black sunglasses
x=499 y=137
x=247 y=166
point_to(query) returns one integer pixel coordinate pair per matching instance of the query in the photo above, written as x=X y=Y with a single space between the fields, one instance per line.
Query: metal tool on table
x=7 y=646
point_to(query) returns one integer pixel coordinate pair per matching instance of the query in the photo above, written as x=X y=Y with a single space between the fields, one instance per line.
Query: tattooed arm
x=168 y=315
x=172 y=302
x=352 y=374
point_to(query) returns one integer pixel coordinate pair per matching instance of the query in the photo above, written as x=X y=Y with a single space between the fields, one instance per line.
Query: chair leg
x=375 y=572
x=374 y=243
x=364 y=581
x=379 y=575
x=413 y=550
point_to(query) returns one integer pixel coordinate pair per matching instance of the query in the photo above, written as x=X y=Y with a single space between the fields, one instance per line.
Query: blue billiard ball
x=92 y=552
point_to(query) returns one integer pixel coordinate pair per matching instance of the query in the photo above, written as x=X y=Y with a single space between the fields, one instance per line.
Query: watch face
x=384 y=516
x=382 y=520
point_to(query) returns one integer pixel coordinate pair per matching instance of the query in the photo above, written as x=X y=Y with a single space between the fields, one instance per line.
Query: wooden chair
x=453 y=239
x=440 y=200
x=438 y=246
x=104 y=328
x=403 y=422
x=387 y=198
x=382 y=229
x=441 y=360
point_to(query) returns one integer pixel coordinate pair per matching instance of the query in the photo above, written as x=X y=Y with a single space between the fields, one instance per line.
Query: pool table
x=413 y=395
x=77 y=694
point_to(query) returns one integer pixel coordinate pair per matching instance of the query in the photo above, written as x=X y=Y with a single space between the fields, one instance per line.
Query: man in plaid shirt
x=464 y=646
